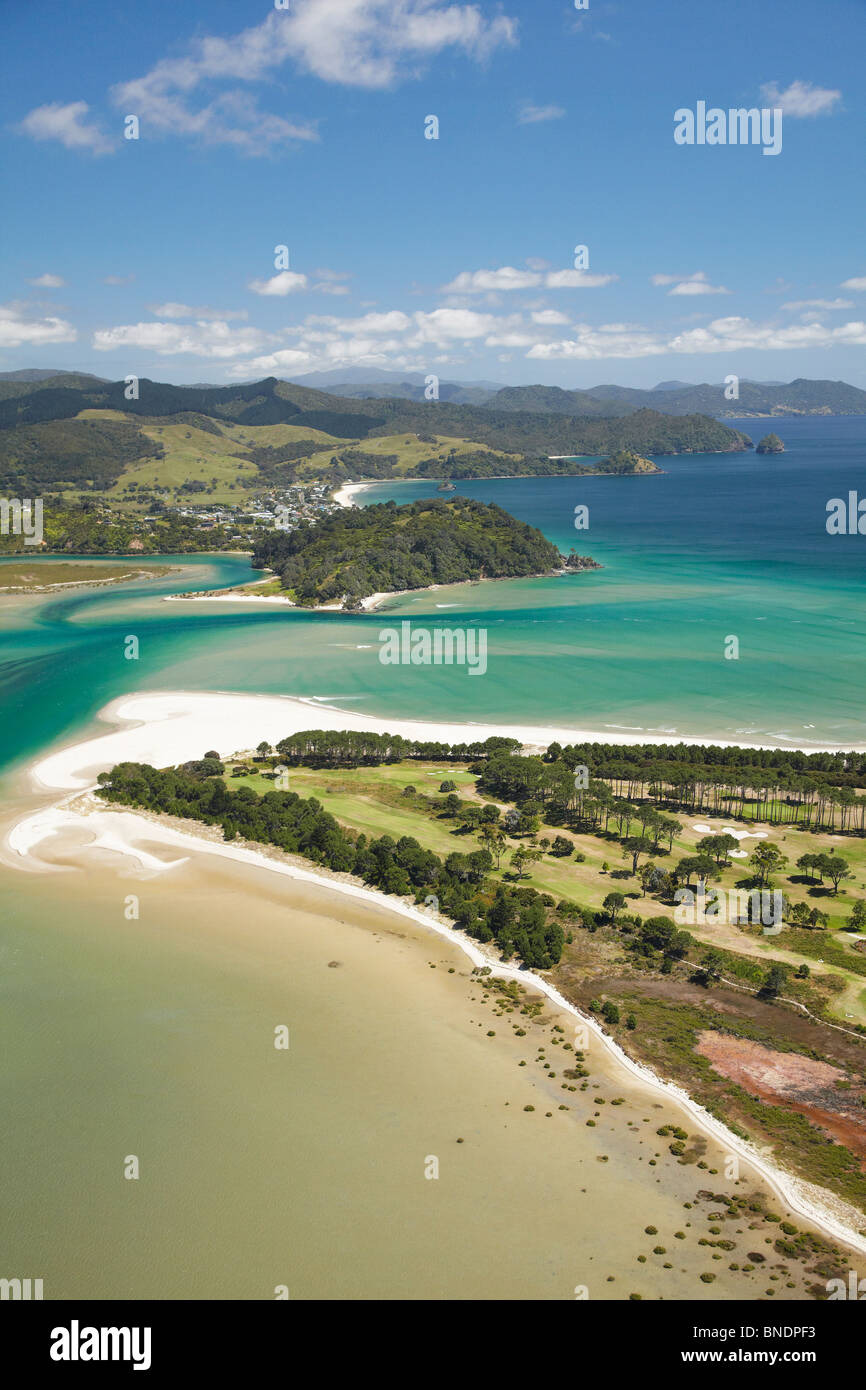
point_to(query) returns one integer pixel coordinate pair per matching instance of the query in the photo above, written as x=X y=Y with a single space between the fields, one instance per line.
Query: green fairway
x=371 y=800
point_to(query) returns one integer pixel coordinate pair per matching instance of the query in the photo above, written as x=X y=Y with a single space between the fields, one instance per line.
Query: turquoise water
x=717 y=546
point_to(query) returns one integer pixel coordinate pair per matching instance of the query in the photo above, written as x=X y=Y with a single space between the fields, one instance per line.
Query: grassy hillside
x=79 y=433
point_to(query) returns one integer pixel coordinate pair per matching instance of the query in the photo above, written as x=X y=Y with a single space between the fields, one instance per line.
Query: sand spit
x=172 y=727
x=169 y=727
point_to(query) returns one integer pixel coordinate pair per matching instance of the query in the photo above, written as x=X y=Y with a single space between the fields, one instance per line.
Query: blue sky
x=305 y=128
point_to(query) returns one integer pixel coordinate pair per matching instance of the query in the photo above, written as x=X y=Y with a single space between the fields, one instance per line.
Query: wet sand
x=306 y=1167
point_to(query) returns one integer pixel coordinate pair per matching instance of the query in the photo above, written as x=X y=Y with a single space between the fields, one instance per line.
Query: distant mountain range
x=756 y=398
x=759 y=399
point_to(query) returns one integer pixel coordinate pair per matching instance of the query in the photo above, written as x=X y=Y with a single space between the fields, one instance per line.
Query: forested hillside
x=384 y=548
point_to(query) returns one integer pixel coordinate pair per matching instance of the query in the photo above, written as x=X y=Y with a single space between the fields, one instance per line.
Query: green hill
x=49 y=435
x=800 y=397
x=384 y=548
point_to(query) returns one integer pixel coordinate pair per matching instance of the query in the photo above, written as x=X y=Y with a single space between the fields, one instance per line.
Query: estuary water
x=152 y=1037
x=717 y=546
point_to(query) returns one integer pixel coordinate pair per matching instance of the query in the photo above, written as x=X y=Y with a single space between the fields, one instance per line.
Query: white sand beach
x=371 y=602
x=171 y=726
x=346 y=493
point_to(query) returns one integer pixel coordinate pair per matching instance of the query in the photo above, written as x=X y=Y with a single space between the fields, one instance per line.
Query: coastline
x=162 y=727
x=370 y=604
x=343 y=497
x=122 y=831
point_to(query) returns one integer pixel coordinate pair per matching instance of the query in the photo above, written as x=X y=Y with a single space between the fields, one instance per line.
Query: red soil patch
x=800 y=1083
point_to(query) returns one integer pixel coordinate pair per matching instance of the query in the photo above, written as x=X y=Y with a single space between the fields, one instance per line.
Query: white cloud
x=283 y=283
x=370 y=44
x=48 y=282
x=732 y=334
x=795 y=304
x=204 y=339
x=740 y=334
x=16 y=328
x=532 y=115
x=200 y=311
x=68 y=124
x=118 y=279
x=549 y=316
x=442 y=326
x=576 y=280
x=393 y=321
x=801 y=98
x=857 y=283
x=508 y=278
x=688 y=284
x=287 y=359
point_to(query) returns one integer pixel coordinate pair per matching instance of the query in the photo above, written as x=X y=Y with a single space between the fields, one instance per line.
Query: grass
x=25 y=575
x=195 y=455
x=669 y=1012
x=409 y=449
x=371 y=800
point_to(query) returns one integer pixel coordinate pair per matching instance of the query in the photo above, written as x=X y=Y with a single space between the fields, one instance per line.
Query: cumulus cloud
x=801 y=98
x=203 y=339
x=67 y=123
x=48 y=282
x=18 y=327
x=576 y=280
x=508 y=278
x=172 y=310
x=533 y=115
x=369 y=44
x=287 y=359
x=732 y=334
x=688 y=284
x=478 y=281
x=857 y=283
x=283 y=283
x=548 y=316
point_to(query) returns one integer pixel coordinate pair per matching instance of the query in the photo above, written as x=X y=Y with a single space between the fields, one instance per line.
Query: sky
x=221 y=191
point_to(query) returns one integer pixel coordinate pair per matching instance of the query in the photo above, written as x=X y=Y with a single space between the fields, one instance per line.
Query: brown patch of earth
x=784 y=1022
x=803 y=1084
